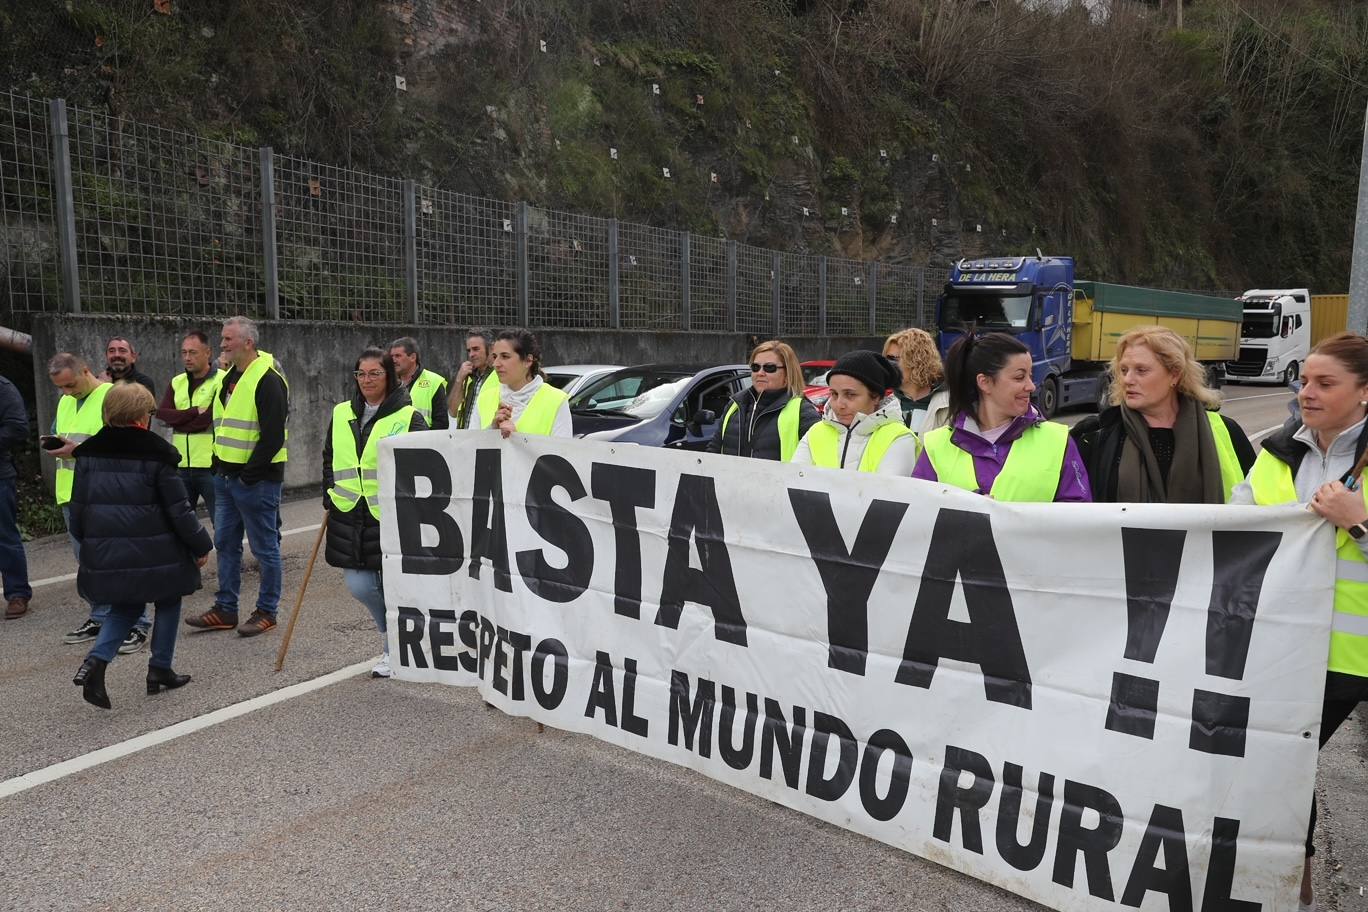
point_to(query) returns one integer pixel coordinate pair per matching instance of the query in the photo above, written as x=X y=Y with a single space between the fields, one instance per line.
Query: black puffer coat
x=759 y=440
x=139 y=538
x=353 y=541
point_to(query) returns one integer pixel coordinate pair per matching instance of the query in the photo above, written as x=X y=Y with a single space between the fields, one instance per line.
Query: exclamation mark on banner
x=1240 y=559
x=1152 y=558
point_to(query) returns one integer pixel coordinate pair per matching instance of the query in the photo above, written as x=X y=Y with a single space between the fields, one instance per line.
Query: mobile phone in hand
x=49 y=442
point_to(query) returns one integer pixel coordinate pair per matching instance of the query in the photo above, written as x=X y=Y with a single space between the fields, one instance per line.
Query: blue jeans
x=121 y=618
x=13 y=561
x=199 y=485
x=368 y=589
x=255 y=509
x=99 y=611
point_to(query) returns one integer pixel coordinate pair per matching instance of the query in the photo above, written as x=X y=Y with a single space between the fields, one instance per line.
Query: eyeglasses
x=369 y=375
x=767 y=368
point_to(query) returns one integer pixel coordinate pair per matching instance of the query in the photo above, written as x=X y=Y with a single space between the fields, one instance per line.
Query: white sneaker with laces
x=381 y=668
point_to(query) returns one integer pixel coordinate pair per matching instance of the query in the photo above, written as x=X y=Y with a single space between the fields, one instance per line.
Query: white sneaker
x=381 y=669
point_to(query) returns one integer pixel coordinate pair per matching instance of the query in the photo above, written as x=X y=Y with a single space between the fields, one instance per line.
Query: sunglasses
x=767 y=368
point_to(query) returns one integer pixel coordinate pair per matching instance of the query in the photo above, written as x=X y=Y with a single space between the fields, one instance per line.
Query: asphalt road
x=380 y=795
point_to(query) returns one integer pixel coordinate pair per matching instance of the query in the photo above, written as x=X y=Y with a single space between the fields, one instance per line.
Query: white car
x=573 y=377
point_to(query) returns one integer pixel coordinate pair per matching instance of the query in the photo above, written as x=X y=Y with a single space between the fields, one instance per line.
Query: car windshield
x=815 y=375
x=635 y=393
x=985 y=310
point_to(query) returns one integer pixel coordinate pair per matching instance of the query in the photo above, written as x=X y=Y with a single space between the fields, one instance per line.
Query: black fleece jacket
x=139 y=538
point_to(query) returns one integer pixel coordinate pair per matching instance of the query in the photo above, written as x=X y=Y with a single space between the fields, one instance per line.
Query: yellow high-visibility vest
x=196 y=450
x=421 y=393
x=1272 y=482
x=237 y=427
x=789 y=425
x=1030 y=474
x=77 y=420
x=824 y=445
x=539 y=418
x=356 y=477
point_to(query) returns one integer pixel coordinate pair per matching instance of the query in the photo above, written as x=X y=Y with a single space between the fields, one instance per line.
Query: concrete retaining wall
x=318 y=359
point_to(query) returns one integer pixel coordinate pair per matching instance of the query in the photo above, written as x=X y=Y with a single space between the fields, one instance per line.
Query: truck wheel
x=1290 y=373
x=1049 y=397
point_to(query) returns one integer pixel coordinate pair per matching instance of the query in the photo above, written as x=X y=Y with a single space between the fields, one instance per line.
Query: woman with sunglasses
x=768 y=420
x=351 y=480
x=996 y=443
x=862 y=428
x=521 y=400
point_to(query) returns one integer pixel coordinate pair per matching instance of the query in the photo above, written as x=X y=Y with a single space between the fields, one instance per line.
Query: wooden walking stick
x=299 y=602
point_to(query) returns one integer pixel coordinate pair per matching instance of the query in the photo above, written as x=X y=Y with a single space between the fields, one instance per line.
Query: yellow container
x=1329 y=315
x=1104 y=313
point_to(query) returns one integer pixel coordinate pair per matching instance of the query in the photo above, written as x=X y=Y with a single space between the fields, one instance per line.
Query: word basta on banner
x=1095 y=706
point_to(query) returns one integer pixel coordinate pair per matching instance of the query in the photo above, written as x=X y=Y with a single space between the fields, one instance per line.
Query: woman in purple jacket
x=997 y=443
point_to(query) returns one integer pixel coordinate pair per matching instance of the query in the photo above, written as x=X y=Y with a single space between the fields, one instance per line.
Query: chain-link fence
x=103 y=215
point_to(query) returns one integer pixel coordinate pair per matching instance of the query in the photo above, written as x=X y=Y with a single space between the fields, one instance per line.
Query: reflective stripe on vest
x=358 y=478
x=487 y=403
x=77 y=424
x=425 y=386
x=236 y=426
x=1231 y=473
x=824 y=443
x=1030 y=474
x=196 y=450
x=788 y=428
x=1272 y=483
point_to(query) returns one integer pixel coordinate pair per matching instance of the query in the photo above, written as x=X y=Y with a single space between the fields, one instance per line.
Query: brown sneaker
x=259 y=622
x=213 y=619
x=17 y=607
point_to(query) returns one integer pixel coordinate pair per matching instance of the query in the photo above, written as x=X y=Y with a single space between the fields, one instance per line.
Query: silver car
x=574 y=377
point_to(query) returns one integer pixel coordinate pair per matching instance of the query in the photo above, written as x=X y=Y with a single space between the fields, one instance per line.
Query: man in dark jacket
x=121 y=365
x=381 y=406
x=13 y=561
x=140 y=541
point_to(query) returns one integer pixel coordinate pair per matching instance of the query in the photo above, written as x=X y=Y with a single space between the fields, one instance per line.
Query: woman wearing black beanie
x=862 y=428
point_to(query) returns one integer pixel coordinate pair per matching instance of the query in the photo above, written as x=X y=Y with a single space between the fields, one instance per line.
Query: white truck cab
x=1275 y=338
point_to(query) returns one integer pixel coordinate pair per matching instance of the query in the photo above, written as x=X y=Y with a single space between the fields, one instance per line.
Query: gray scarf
x=1194 y=476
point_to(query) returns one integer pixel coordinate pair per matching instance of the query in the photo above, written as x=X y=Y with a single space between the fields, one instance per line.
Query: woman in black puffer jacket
x=767 y=420
x=380 y=408
x=140 y=541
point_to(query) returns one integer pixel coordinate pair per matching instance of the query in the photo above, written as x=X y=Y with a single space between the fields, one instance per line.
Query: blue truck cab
x=1031 y=298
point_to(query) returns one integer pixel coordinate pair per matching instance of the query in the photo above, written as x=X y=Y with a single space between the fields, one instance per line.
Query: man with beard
x=476 y=369
x=121 y=365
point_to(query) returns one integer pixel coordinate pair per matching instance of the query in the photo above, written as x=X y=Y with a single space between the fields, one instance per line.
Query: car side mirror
x=700 y=418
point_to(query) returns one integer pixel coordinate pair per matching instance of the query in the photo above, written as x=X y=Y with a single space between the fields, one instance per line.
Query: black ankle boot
x=158 y=677
x=91 y=679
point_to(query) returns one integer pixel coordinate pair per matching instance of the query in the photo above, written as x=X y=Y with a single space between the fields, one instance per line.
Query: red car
x=814 y=382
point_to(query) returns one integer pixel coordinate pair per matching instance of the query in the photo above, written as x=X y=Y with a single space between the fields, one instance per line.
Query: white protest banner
x=1091 y=705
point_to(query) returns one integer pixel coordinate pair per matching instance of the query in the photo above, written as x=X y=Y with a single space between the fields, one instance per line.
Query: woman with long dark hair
x=522 y=400
x=996 y=442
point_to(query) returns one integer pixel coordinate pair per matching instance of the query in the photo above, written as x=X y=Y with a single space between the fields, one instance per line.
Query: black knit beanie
x=870 y=368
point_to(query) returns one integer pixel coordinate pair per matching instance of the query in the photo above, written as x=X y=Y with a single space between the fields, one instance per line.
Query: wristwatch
x=1357 y=531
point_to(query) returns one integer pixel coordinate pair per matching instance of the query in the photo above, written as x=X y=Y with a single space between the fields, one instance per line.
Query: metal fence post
x=524 y=291
x=64 y=205
x=873 y=298
x=270 y=262
x=921 y=297
x=776 y=291
x=731 y=286
x=411 y=251
x=821 y=296
x=685 y=297
x=614 y=291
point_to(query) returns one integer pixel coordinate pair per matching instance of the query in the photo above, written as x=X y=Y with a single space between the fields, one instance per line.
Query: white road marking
x=67 y=577
x=1264 y=433
x=171 y=732
x=1286 y=394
